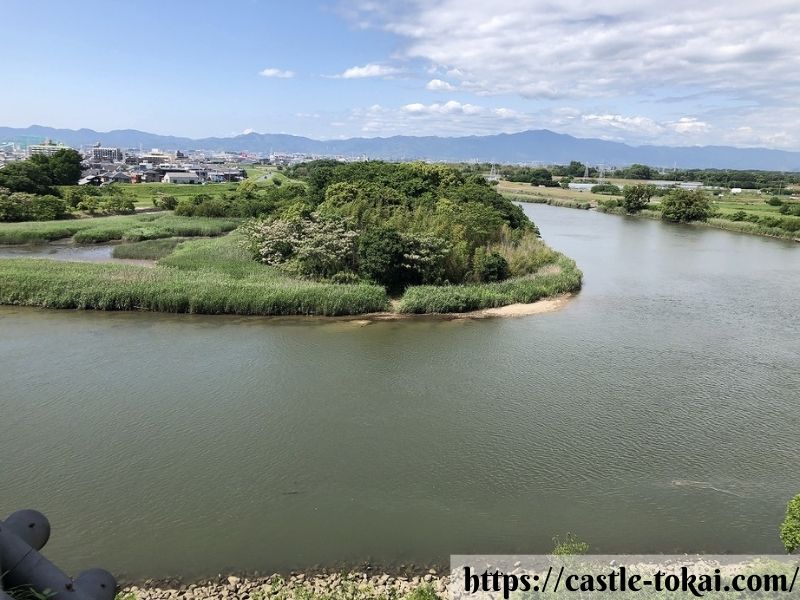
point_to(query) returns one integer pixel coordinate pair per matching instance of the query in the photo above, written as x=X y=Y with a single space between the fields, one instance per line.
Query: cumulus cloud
x=437 y=85
x=689 y=125
x=276 y=73
x=681 y=65
x=368 y=70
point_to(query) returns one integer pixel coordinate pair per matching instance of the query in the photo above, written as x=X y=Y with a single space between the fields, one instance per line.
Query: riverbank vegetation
x=752 y=212
x=342 y=240
x=446 y=238
x=208 y=276
x=105 y=229
x=146 y=250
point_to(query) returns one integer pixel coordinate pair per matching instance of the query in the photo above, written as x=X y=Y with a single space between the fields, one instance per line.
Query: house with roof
x=181 y=177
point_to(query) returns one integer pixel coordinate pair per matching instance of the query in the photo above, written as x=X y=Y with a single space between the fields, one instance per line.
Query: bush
x=489 y=266
x=570 y=546
x=774 y=201
x=637 y=197
x=682 y=206
x=739 y=215
x=29 y=207
x=608 y=189
x=792 y=208
x=165 y=201
x=790 y=528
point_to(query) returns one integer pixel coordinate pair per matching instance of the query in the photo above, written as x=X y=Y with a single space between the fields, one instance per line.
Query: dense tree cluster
x=683 y=206
x=395 y=224
x=40 y=174
x=608 y=189
x=534 y=176
x=22 y=206
x=28 y=188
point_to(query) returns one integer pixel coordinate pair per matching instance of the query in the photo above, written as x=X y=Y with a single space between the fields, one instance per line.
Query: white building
x=187 y=177
x=48 y=148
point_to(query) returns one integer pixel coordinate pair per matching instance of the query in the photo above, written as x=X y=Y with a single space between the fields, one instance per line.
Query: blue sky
x=628 y=70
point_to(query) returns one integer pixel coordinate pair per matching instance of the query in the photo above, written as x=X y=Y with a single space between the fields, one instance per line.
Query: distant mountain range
x=527 y=146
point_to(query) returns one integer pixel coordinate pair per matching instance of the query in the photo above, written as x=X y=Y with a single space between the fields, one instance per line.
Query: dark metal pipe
x=22 y=535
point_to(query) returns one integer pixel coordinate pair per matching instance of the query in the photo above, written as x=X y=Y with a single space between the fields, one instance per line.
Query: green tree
x=682 y=206
x=637 y=171
x=576 y=169
x=380 y=257
x=26 y=176
x=636 y=197
x=790 y=528
x=64 y=167
x=489 y=266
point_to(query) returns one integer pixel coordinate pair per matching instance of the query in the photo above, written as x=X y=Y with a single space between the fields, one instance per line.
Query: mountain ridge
x=540 y=145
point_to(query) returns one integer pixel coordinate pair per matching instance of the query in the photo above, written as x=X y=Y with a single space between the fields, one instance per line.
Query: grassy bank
x=560 y=278
x=146 y=250
x=217 y=276
x=31 y=282
x=752 y=228
x=208 y=276
x=104 y=229
x=562 y=202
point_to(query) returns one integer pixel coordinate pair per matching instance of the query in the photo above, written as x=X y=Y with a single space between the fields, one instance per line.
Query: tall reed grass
x=560 y=278
x=104 y=229
x=51 y=284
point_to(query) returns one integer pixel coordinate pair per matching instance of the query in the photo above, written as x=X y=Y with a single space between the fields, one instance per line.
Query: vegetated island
x=330 y=239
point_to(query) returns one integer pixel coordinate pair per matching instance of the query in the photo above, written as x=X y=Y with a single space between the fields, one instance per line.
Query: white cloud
x=248 y=131
x=437 y=85
x=368 y=70
x=689 y=125
x=696 y=70
x=634 y=124
x=276 y=73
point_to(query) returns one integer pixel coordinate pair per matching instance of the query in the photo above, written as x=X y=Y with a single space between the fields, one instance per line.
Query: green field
x=725 y=206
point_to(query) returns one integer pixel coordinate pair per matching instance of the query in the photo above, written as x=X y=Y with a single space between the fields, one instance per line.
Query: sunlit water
x=658 y=411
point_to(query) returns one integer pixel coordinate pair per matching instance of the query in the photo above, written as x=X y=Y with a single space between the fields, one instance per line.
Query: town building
x=47 y=148
x=103 y=154
x=189 y=177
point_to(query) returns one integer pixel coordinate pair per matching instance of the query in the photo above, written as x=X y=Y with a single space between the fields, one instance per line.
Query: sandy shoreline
x=510 y=310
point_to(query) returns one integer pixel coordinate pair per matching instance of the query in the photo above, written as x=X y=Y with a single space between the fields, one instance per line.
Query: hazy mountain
x=527 y=146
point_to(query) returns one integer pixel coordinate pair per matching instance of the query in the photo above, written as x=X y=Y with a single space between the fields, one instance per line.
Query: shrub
x=682 y=206
x=211 y=207
x=788 y=208
x=22 y=206
x=489 y=266
x=636 y=197
x=739 y=215
x=774 y=201
x=607 y=188
x=326 y=247
x=165 y=201
x=571 y=545
x=790 y=528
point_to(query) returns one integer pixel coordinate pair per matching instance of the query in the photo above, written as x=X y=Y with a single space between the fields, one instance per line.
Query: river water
x=658 y=411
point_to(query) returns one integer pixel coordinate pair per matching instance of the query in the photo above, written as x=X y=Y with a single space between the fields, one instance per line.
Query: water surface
x=658 y=411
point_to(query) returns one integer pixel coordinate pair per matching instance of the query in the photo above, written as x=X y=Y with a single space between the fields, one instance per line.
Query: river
x=656 y=412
